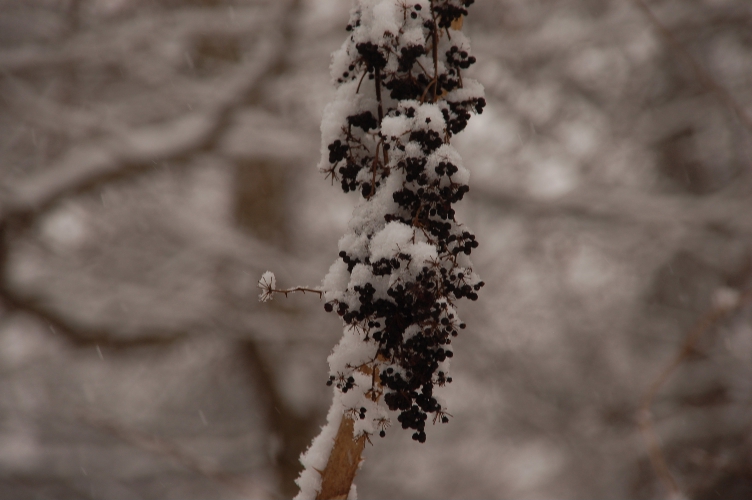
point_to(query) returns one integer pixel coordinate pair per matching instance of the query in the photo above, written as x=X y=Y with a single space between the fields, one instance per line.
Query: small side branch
x=298 y=289
x=705 y=78
x=268 y=283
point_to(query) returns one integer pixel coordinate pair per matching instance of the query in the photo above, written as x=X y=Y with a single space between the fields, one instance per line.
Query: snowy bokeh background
x=158 y=156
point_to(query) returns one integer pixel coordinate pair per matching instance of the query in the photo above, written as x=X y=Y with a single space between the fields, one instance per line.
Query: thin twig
x=302 y=289
x=645 y=415
x=267 y=286
x=705 y=78
x=377 y=72
x=435 y=54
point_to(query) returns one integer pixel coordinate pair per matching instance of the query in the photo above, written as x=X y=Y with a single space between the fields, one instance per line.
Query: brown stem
x=381 y=117
x=302 y=289
x=374 y=164
x=435 y=54
x=337 y=477
x=360 y=81
x=378 y=94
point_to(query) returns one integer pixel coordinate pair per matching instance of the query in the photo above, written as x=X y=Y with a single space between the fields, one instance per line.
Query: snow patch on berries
x=471 y=89
x=335 y=280
x=350 y=352
x=388 y=242
x=395 y=126
x=422 y=253
x=381 y=17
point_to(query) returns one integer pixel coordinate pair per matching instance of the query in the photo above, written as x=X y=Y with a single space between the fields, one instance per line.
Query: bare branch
x=294 y=430
x=722 y=310
x=705 y=78
x=108 y=47
x=88 y=166
x=630 y=207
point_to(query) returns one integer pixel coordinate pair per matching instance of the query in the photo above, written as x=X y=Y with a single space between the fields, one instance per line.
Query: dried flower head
x=267 y=284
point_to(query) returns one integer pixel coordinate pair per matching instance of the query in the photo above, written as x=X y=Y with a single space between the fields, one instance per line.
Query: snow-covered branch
x=115 y=155
x=403 y=264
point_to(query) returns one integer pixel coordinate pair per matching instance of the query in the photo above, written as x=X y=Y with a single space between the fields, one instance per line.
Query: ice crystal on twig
x=267 y=284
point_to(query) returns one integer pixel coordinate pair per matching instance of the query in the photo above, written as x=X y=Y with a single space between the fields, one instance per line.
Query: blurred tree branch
x=116 y=152
x=87 y=167
x=704 y=77
x=722 y=310
x=123 y=152
x=164 y=447
x=710 y=213
x=284 y=422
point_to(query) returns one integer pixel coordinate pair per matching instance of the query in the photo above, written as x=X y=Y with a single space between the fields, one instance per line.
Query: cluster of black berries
x=447 y=12
x=360 y=166
x=459 y=59
x=343 y=384
x=413 y=323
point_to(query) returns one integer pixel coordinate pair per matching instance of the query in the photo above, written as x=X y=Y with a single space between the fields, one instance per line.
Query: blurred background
x=157 y=156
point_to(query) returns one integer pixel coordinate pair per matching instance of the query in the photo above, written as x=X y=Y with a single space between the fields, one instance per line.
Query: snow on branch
x=404 y=263
x=119 y=153
x=108 y=48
